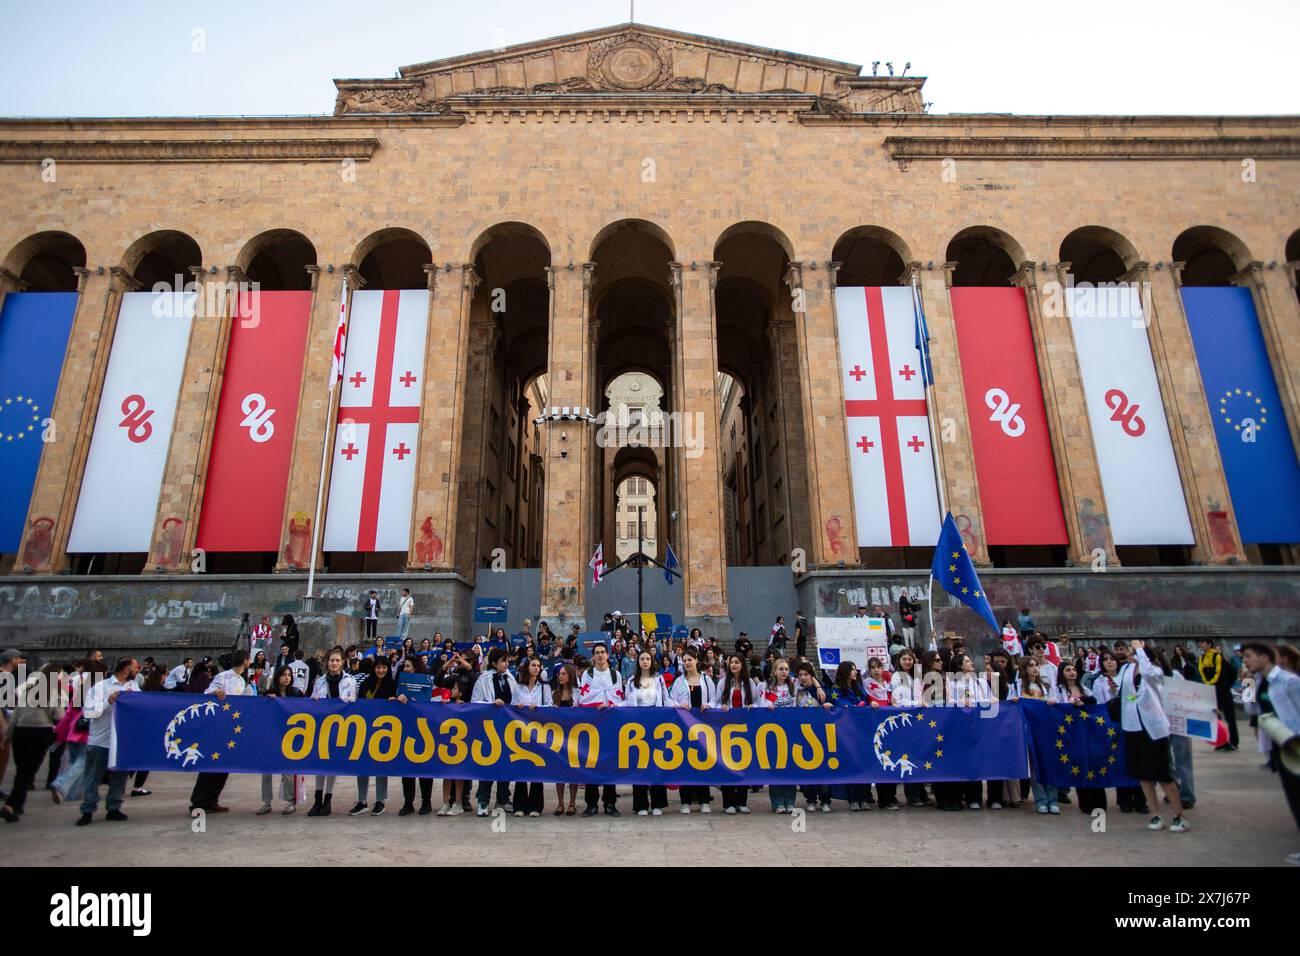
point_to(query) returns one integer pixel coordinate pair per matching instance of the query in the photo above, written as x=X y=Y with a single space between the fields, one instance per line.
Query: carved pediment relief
x=633 y=60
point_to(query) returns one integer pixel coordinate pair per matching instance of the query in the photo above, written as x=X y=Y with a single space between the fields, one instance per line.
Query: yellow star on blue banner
x=954 y=571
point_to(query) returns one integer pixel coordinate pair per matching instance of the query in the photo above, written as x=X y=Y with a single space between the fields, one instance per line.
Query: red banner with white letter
x=248 y=470
x=1019 y=495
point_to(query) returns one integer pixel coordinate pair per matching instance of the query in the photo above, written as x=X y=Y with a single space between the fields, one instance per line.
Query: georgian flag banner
x=1019 y=495
x=133 y=427
x=372 y=479
x=248 y=468
x=34 y=329
x=597 y=564
x=1139 y=474
x=340 y=339
x=890 y=458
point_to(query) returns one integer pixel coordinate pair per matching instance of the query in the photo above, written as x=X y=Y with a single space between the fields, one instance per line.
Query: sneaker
x=481 y=811
x=263 y=810
x=743 y=809
x=643 y=813
x=117 y=816
x=84 y=820
x=518 y=813
x=613 y=812
x=288 y=809
x=995 y=805
x=705 y=808
x=1156 y=824
x=1042 y=809
x=377 y=809
x=1179 y=825
x=444 y=809
x=686 y=808
x=455 y=810
x=1054 y=809
x=826 y=807
x=973 y=806
x=730 y=810
x=358 y=808
x=508 y=807
x=141 y=792
x=854 y=807
x=409 y=808
x=589 y=812
x=533 y=813
x=656 y=812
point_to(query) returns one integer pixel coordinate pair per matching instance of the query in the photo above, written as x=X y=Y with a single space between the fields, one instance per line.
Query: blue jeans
x=782 y=796
x=1044 y=796
x=1180 y=756
x=484 y=792
x=68 y=782
x=96 y=764
x=363 y=789
x=403 y=625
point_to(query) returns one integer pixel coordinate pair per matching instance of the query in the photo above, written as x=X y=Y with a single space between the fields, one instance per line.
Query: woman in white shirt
x=646 y=688
x=1105 y=688
x=737 y=692
x=1031 y=686
x=1146 y=731
x=334 y=684
x=693 y=690
x=531 y=692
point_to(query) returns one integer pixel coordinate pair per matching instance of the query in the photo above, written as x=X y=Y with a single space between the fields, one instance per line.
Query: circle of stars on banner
x=209 y=734
x=1092 y=773
x=957 y=580
x=28 y=417
x=1259 y=411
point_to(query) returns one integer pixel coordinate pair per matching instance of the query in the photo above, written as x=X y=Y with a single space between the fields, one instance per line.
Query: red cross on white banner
x=889 y=434
x=373 y=475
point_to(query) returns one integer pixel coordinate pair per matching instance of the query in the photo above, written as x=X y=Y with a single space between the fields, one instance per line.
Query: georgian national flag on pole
x=894 y=494
x=597 y=564
x=340 y=339
x=372 y=480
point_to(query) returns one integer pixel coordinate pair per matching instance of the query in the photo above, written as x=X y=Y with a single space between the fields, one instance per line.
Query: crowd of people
x=629 y=667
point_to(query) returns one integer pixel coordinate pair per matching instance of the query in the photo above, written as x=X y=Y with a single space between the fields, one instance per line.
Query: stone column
x=956 y=453
x=176 y=521
x=568 y=538
x=1077 y=471
x=315 y=407
x=783 y=346
x=1205 y=488
x=1279 y=321
x=437 y=477
x=700 y=520
x=830 y=483
x=76 y=403
x=478 y=463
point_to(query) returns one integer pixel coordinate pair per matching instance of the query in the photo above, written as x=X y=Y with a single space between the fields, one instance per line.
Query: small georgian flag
x=597 y=564
x=340 y=339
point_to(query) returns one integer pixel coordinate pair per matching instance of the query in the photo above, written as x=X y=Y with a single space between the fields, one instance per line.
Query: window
x=510 y=527
x=631 y=529
x=635 y=415
x=510 y=457
x=494 y=426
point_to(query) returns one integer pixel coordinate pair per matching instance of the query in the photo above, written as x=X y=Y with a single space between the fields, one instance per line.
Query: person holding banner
x=531 y=691
x=693 y=690
x=1105 y=688
x=646 y=688
x=779 y=690
x=1032 y=685
x=736 y=691
x=334 y=684
x=208 y=786
x=1146 y=731
x=564 y=695
x=600 y=687
x=495 y=686
x=379 y=685
x=282 y=685
x=848 y=691
x=905 y=691
x=1277 y=692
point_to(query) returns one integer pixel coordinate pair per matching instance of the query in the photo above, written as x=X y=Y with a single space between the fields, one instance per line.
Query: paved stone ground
x=1240 y=818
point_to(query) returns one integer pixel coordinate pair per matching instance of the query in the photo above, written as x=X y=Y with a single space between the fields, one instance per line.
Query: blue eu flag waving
x=953 y=569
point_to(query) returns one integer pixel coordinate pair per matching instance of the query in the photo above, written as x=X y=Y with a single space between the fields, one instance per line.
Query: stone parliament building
x=645 y=201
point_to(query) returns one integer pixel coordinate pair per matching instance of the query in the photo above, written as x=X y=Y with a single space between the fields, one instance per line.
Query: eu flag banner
x=1250 y=427
x=1075 y=746
x=647 y=745
x=955 y=572
x=34 y=329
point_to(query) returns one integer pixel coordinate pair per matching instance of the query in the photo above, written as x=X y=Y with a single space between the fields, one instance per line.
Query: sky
x=277 y=57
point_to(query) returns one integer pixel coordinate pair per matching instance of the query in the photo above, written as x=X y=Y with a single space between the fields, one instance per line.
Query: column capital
x=911 y=270
x=10 y=282
x=1251 y=276
x=948 y=269
x=313 y=273
x=237 y=275
x=83 y=277
x=1026 y=276
x=1176 y=273
x=793 y=277
x=123 y=281
x=1139 y=273
x=353 y=277
x=1291 y=269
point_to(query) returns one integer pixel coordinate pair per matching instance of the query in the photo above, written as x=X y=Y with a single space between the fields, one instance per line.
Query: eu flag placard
x=34 y=330
x=1254 y=441
x=1075 y=746
x=954 y=571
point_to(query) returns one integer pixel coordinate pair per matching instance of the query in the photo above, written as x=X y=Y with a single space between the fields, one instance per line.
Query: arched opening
x=393 y=259
x=275 y=263
x=985 y=256
x=502 y=460
x=634 y=311
x=766 y=513
x=1210 y=256
x=47 y=262
x=1097 y=254
x=161 y=261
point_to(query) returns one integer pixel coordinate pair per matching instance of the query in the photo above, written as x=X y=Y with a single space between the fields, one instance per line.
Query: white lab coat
x=485 y=688
x=1140 y=707
x=178 y=675
x=904 y=691
x=600 y=687
x=679 y=695
x=968 y=687
x=347 y=688
x=538 y=695
x=632 y=698
x=233 y=684
x=1101 y=689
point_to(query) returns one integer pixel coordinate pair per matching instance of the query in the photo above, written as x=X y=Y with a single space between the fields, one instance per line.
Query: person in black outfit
x=289 y=634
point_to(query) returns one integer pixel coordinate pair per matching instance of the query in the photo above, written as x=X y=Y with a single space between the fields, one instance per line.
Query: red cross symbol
x=350 y=452
x=356 y=379
x=907 y=372
x=401 y=451
x=865 y=445
x=407 y=380
x=379 y=414
x=915 y=444
x=858 y=373
x=888 y=410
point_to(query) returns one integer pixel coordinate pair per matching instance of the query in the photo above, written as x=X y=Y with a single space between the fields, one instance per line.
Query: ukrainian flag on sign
x=659 y=623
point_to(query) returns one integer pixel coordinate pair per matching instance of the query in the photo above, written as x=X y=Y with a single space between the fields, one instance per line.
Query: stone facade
x=719 y=181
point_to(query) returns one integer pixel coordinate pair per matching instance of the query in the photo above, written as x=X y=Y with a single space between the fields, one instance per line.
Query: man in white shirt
x=600 y=686
x=1046 y=669
x=301 y=672
x=405 y=608
x=98 y=707
x=1277 y=692
x=229 y=683
x=179 y=675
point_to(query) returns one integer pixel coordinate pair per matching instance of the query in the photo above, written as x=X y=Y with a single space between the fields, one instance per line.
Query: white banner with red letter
x=1139 y=474
x=889 y=435
x=373 y=474
x=133 y=428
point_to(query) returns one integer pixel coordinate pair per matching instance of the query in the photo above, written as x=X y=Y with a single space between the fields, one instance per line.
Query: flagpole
x=931 y=415
x=324 y=454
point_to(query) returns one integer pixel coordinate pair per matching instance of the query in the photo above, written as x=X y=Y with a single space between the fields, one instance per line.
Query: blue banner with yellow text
x=628 y=745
